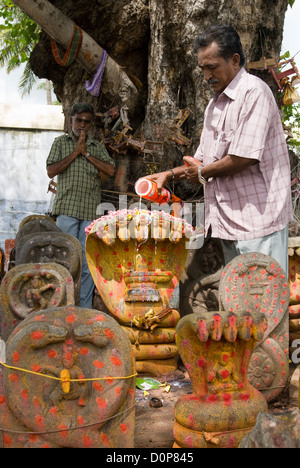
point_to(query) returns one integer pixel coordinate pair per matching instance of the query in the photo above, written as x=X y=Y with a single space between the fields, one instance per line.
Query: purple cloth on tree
x=93 y=86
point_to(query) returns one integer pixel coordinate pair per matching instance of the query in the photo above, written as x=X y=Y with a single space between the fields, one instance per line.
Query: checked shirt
x=244 y=121
x=79 y=186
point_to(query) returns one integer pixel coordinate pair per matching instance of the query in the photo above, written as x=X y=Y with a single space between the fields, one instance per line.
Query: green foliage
x=18 y=36
x=291 y=119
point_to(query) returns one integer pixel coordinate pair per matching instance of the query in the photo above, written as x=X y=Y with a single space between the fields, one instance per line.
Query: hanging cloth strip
x=93 y=86
x=67 y=58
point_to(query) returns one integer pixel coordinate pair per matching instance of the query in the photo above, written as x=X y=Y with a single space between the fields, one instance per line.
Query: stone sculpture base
x=156 y=367
x=155 y=351
x=200 y=439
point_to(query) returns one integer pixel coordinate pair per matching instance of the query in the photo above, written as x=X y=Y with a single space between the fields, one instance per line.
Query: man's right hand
x=60 y=166
x=160 y=178
x=81 y=144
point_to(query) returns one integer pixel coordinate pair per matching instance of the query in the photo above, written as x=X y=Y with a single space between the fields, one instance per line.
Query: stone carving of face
x=73 y=344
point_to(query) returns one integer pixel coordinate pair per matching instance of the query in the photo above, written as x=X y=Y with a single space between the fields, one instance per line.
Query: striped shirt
x=79 y=186
x=244 y=121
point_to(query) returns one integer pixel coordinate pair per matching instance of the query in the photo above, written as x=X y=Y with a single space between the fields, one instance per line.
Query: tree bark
x=175 y=80
x=60 y=28
x=154 y=41
x=48 y=93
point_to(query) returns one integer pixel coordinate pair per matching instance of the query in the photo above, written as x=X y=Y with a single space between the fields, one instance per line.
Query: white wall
x=26 y=136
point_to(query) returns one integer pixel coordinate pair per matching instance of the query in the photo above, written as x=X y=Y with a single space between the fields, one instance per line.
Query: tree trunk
x=175 y=80
x=60 y=28
x=154 y=41
x=48 y=93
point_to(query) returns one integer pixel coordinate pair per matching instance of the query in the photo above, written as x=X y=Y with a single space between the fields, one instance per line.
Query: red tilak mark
x=2 y=400
x=227 y=398
x=201 y=363
x=14 y=378
x=52 y=354
x=212 y=399
x=40 y=420
x=87 y=441
x=123 y=428
x=98 y=364
x=191 y=420
x=115 y=361
x=63 y=428
x=39 y=318
x=36 y=402
x=37 y=335
x=68 y=357
x=80 y=420
x=16 y=356
x=105 y=440
x=53 y=411
x=97 y=386
x=225 y=373
x=109 y=333
x=217 y=319
x=7 y=441
x=231 y=442
x=99 y=318
x=70 y=319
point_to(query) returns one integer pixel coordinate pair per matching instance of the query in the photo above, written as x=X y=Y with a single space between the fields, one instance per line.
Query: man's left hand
x=191 y=172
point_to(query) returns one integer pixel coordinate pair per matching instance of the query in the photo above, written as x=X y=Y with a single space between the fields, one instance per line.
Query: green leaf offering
x=147 y=383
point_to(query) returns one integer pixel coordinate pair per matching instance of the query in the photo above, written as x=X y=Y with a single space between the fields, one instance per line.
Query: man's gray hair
x=81 y=107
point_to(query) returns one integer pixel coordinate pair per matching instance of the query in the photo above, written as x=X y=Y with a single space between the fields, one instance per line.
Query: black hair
x=81 y=107
x=226 y=37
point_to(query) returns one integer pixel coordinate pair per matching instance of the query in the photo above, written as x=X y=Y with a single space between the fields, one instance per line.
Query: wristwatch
x=87 y=155
x=202 y=179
